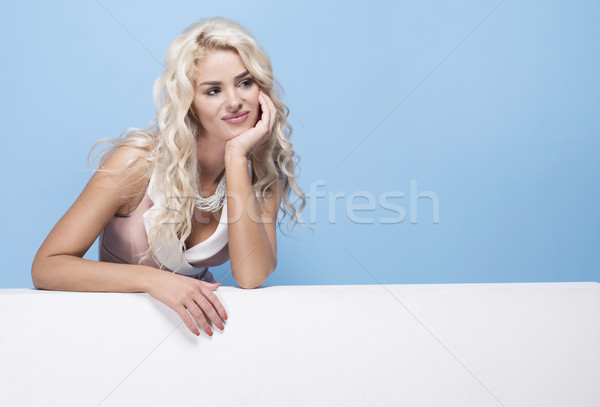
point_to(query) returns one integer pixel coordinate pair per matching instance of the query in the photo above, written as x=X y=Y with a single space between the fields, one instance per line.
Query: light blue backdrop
x=486 y=109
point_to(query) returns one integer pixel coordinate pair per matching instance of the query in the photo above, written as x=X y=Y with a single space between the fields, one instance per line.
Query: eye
x=247 y=82
x=213 y=91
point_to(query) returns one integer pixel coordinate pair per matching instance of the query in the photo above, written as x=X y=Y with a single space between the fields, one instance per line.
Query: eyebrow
x=240 y=76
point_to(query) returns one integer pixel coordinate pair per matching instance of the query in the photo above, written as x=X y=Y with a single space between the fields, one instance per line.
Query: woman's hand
x=251 y=139
x=183 y=294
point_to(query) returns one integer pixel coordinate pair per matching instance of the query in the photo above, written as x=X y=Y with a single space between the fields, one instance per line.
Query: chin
x=232 y=134
x=239 y=130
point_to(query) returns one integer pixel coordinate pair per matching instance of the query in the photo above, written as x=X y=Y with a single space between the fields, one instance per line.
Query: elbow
x=38 y=274
x=35 y=275
x=249 y=286
x=254 y=280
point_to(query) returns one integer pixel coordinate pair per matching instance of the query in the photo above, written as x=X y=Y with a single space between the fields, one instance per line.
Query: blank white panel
x=532 y=344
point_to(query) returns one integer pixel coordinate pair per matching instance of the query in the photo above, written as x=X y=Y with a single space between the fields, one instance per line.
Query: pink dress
x=125 y=238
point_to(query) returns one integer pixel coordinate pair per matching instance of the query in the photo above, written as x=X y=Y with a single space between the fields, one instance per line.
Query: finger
x=273 y=119
x=212 y=286
x=217 y=304
x=264 y=124
x=187 y=319
x=266 y=113
x=215 y=301
x=272 y=111
x=209 y=309
x=264 y=101
x=199 y=317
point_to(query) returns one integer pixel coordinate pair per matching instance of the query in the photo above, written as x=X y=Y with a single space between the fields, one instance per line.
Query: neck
x=211 y=159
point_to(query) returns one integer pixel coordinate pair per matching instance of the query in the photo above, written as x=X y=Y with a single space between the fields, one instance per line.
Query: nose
x=233 y=102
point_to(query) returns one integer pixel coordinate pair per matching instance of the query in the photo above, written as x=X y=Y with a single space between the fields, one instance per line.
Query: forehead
x=219 y=64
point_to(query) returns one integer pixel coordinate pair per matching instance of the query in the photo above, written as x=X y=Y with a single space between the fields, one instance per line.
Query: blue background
x=491 y=106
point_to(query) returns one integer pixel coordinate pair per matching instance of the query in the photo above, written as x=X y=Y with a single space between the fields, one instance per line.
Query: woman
x=202 y=184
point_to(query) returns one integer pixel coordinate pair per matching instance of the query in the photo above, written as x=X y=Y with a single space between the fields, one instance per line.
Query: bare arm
x=58 y=264
x=252 y=227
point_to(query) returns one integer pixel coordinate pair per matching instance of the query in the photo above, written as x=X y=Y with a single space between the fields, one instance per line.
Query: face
x=225 y=95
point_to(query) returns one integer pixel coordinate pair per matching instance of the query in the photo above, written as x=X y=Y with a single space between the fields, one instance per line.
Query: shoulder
x=127 y=169
x=128 y=160
x=123 y=156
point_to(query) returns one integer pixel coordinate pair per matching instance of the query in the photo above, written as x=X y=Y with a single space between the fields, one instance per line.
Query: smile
x=237 y=119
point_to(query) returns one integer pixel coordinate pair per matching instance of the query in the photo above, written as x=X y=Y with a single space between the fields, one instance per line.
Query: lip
x=236 y=117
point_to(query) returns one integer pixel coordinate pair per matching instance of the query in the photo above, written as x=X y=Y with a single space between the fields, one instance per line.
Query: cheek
x=205 y=114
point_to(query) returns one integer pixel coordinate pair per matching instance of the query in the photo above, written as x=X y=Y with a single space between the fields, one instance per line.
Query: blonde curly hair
x=171 y=136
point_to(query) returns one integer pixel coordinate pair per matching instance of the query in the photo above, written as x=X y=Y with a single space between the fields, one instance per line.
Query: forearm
x=71 y=273
x=252 y=257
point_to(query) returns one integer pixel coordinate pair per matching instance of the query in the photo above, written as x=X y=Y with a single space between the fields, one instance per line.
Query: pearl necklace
x=214 y=202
